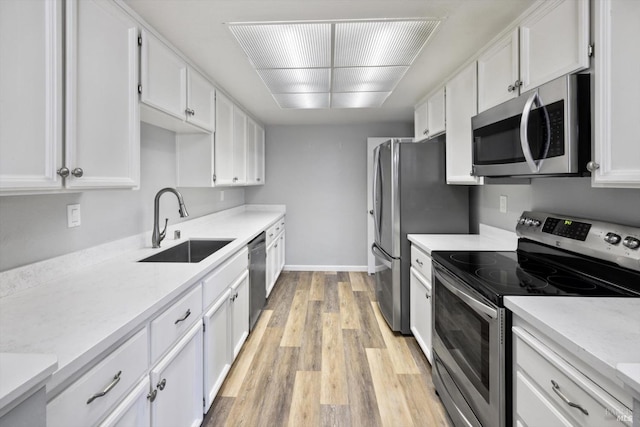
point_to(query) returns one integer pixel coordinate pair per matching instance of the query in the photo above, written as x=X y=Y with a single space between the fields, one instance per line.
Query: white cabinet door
x=102 y=111
x=164 y=77
x=201 y=98
x=134 y=410
x=420 y=120
x=420 y=311
x=271 y=267
x=239 y=312
x=217 y=354
x=460 y=107
x=177 y=384
x=195 y=154
x=435 y=113
x=239 y=146
x=498 y=73
x=260 y=155
x=252 y=155
x=31 y=79
x=554 y=41
x=616 y=150
x=224 y=140
x=281 y=249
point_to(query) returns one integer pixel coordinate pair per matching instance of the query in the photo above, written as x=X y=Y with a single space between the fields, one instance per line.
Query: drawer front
x=421 y=262
x=562 y=383
x=271 y=234
x=534 y=409
x=222 y=277
x=174 y=322
x=81 y=404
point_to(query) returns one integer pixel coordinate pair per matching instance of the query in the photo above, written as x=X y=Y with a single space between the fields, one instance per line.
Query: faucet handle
x=164 y=231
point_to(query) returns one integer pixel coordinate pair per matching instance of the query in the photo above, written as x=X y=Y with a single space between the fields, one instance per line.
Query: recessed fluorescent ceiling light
x=336 y=64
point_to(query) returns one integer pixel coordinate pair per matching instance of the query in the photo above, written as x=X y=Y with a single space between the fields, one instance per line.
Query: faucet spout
x=158 y=236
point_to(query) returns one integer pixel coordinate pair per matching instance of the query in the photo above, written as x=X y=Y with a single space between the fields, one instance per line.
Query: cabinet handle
x=276 y=245
x=518 y=83
x=162 y=384
x=187 y=314
x=593 y=166
x=420 y=263
x=190 y=112
x=556 y=389
x=258 y=179
x=63 y=172
x=427 y=295
x=425 y=132
x=152 y=396
x=270 y=234
x=511 y=88
x=277 y=228
x=116 y=380
x=235 y=179
x=77 y=172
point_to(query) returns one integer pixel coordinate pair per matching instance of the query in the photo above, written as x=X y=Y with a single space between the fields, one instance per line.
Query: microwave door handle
x=524 y=137
x=472 y=302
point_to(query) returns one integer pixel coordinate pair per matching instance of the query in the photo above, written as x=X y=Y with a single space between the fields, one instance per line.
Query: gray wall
x=570 y=196
x=34 y=228
x=320 y=174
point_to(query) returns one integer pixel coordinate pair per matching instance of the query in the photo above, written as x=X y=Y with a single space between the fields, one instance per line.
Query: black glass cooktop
x=539 y=271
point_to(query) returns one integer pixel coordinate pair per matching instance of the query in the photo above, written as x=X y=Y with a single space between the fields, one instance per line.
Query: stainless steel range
x=557 y=256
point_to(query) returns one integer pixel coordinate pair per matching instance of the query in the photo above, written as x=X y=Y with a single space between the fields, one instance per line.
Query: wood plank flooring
x=321 y=354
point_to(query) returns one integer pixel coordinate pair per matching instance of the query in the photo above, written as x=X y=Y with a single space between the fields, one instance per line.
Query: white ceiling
x=197 y=28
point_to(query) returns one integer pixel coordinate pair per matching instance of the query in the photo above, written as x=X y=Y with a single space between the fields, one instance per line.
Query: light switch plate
x=503 y=204
x=73 y=216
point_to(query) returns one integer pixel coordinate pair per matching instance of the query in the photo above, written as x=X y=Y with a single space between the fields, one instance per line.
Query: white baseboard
x=325 y=268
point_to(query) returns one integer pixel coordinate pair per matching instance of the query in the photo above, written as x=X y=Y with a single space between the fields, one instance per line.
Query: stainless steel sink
x=189 y=251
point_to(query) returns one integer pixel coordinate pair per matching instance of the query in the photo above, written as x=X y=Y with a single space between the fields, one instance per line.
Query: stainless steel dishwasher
x=257 y=278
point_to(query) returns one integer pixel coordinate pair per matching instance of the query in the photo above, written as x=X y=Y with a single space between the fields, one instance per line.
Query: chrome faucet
x=157 y=235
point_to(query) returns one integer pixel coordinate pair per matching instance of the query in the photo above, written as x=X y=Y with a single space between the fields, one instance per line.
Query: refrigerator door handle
x=374 y=212
x=382 y=255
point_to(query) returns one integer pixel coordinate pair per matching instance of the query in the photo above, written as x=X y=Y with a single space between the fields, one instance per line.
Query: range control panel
x=613 y=242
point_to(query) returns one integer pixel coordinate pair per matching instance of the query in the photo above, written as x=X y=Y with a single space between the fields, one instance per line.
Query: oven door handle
x=466 y=298
x=524 y=137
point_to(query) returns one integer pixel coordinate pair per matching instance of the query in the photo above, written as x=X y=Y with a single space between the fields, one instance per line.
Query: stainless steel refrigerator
x=410 y=195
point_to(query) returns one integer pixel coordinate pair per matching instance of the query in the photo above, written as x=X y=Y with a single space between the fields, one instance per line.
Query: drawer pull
x=270 y=234
x=420 y=263
x=162 y=384
x=116 y=380
x=556 y=389
x=183 y=318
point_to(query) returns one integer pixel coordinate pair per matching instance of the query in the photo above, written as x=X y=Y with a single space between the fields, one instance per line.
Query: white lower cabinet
x=239 y=313
x=135 y=409
x=552 y=388
x=420 y=314
x=176 y=381
x=217 y=353
x=275 y=253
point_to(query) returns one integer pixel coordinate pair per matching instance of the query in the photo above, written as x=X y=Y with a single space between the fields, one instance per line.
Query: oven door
x=470 y=349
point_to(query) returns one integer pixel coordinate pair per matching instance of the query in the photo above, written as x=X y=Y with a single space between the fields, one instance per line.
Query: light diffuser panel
x=358 y=99
x=367 y=79
x=379 y=43
x=299 y=45
x=296 y=80
x=302 y=100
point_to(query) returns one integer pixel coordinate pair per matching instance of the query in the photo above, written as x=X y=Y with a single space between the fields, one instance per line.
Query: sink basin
x=189 y=251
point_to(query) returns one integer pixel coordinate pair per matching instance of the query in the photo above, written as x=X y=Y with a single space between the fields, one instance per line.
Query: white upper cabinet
x=260 y=156
x=255 y=153
x=551 y=41
x=498 y=73
x=616 y=150
x=169 y=85
x=224 y=141
x=102 y=110
x=460 y=107
x=429 y=116
x=239 y=147
x=31 y=138
x=554 y=41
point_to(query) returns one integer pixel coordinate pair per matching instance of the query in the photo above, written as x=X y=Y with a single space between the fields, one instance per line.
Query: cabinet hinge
x=140 y=40
x=139 y=88
x=590 y=50
x=203 y=403
x=204 y=327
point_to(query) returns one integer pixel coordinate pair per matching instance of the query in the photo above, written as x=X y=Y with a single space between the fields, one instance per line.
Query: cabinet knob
x=152 y=395
x=511 y=88
x=235 y=179
x=63 y=172
x=427 y=295
x=77 y=172
x=162 y=384
x=593 y=166
x=425 y=132
x=258 y=180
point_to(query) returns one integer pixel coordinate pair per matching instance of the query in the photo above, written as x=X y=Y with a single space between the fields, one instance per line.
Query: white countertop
x=602 y=332
x=489 y=239
x=20 y=373
x=78 y=316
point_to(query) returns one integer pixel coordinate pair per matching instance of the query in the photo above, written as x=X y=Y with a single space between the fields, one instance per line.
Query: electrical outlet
x=503 y=204
x=73 y=216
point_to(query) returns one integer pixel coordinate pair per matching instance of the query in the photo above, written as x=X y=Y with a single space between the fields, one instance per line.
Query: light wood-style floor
x=322 y=355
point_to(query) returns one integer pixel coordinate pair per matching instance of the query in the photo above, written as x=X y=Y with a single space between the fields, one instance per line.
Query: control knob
x=536 y=223
x=528 y=222
x=521 y=220
x=631 y=242
x=612 y=238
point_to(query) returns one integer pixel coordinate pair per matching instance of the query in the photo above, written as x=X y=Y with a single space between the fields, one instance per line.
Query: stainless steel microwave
x=545 y=131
